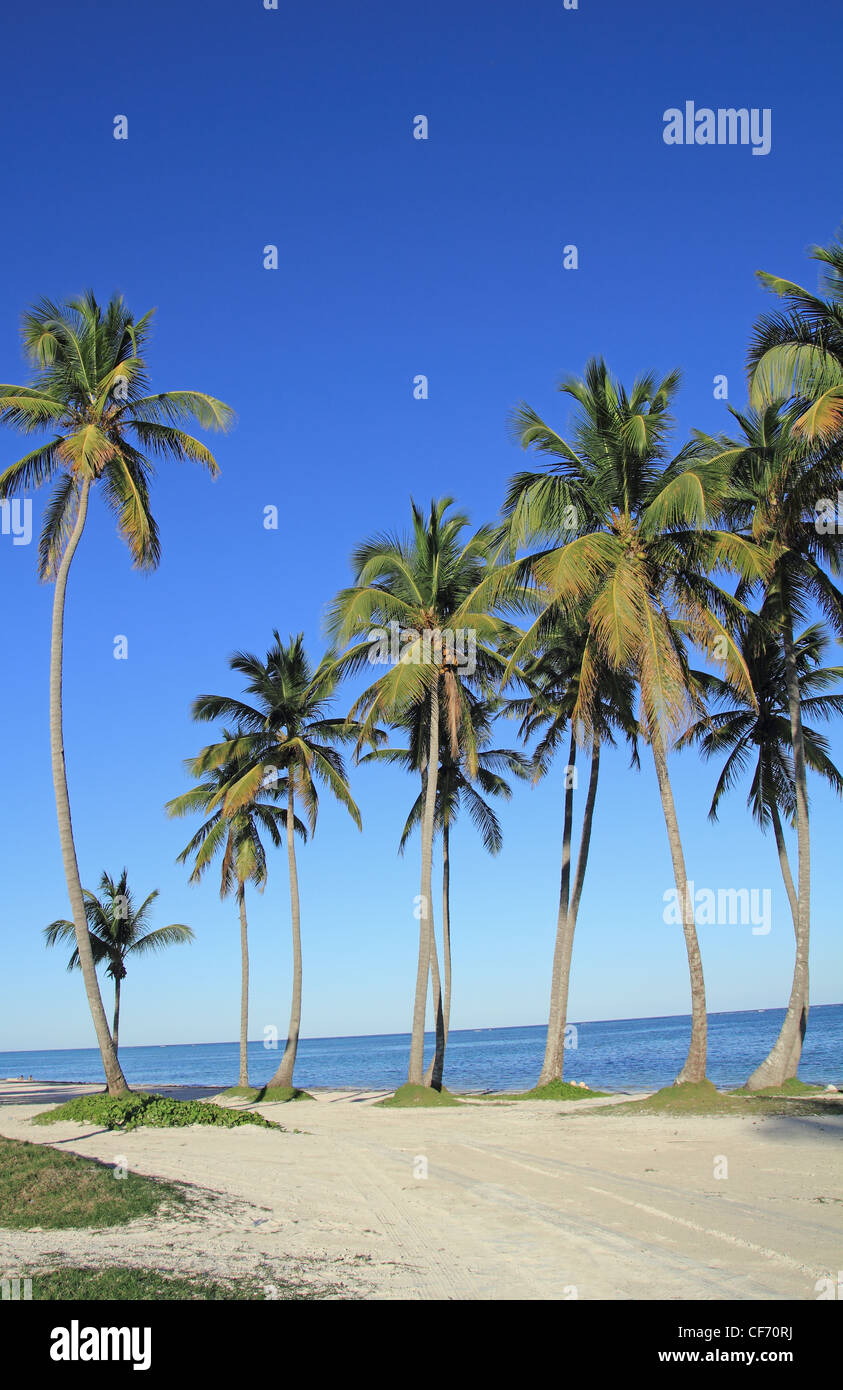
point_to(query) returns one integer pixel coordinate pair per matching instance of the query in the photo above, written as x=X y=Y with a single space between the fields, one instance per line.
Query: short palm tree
x=91 y=391
x=628 y=540
x=759 y=736
x=561 y=703
x=777 y=478
x=417 y=586
x=117 y=930
x=237 y=836
x=286 y=738
x=798 y=354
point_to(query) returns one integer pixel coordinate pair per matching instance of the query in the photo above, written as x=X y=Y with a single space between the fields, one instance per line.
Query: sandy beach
x=526 y=1200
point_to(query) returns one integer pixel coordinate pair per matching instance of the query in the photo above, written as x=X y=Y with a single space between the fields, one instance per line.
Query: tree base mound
x=792 y=1087
x=687 y=1096
x=281 y=1095
x=242 y=1093
x=415 y=1097
x=558 y=1090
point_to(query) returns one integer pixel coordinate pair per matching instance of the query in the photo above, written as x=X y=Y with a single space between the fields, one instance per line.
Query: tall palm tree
x=465 y=781
x=778 y=476
x=629 y=541
x=759 y=734
x=285 y=737
x=557 y=705
x=237 y=836
x=91 y=390
x=117 y=930
x=416 y=587
x=797 y=354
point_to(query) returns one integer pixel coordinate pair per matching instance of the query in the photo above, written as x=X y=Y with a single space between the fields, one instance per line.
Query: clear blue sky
x=397 y=257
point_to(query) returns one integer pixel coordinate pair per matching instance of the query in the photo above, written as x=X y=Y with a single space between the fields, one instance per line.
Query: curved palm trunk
x=284 y=1074
x=554 y=1059
x=784 y=862
x=783 y=1059
x=552 y=1064
x=695 y=1062
x=115 y=1030
x=415 y=1071
x=244 y=987
x=115 y=1079
x=442 y=997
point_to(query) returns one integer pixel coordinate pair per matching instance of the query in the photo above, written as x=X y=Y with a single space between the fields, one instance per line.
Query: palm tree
x=237 y=835
x=629 y=541
x=411 y=607
x=760 y=733
x=798 y=354
x=287 y=738
x=558 y=704
x=777 y=478
x=465 y=781
x=90 y=388
x=116 y=930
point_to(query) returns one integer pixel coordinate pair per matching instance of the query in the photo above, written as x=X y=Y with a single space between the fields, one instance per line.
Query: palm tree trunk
x=796 y=1050
x=446 y=924
x=436 y=1063
x=695 y=1063
x=244 y=987
x=115 y=1079
x=552 y=1064
x=415 y=1071
x=782 y=1061
x=284 y=1074
x=442 y=998
x=115 y=1031
x=784 y=864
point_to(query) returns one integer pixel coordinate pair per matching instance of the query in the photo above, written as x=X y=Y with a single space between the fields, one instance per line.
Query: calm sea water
x=620 y=1054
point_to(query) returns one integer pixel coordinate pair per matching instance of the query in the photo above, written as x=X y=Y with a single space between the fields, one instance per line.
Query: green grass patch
x=703 y=1098
x=556 y=1090
x=281 y=1095
x=415 y=1097
x=792 y=1087
x=41 y=1187
x=139 y=1108
x=249 y=1093
x=88 y=1285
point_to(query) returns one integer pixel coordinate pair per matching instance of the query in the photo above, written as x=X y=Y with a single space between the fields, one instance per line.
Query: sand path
x=530 y=1200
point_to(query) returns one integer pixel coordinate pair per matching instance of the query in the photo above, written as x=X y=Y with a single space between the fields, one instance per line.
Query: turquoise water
x=616 y=1054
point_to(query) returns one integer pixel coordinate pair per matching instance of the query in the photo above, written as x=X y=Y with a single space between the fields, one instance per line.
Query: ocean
x=613 y=1055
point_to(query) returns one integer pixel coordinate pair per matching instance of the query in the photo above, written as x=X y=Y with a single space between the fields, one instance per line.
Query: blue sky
x=250 y=127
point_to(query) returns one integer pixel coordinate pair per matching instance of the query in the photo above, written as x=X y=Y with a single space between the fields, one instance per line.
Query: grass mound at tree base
x=40 y=1187
x=266 y=1095
x=282 y=1095
x=140 y=1108
x=703 y=1098
x=415 y=1097
x=557 y=1090
x=792 y=1087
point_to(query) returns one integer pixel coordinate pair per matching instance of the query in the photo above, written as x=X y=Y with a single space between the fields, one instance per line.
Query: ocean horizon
x=610 y=1055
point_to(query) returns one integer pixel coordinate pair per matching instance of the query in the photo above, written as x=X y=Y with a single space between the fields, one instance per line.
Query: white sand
x=533 y=1200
